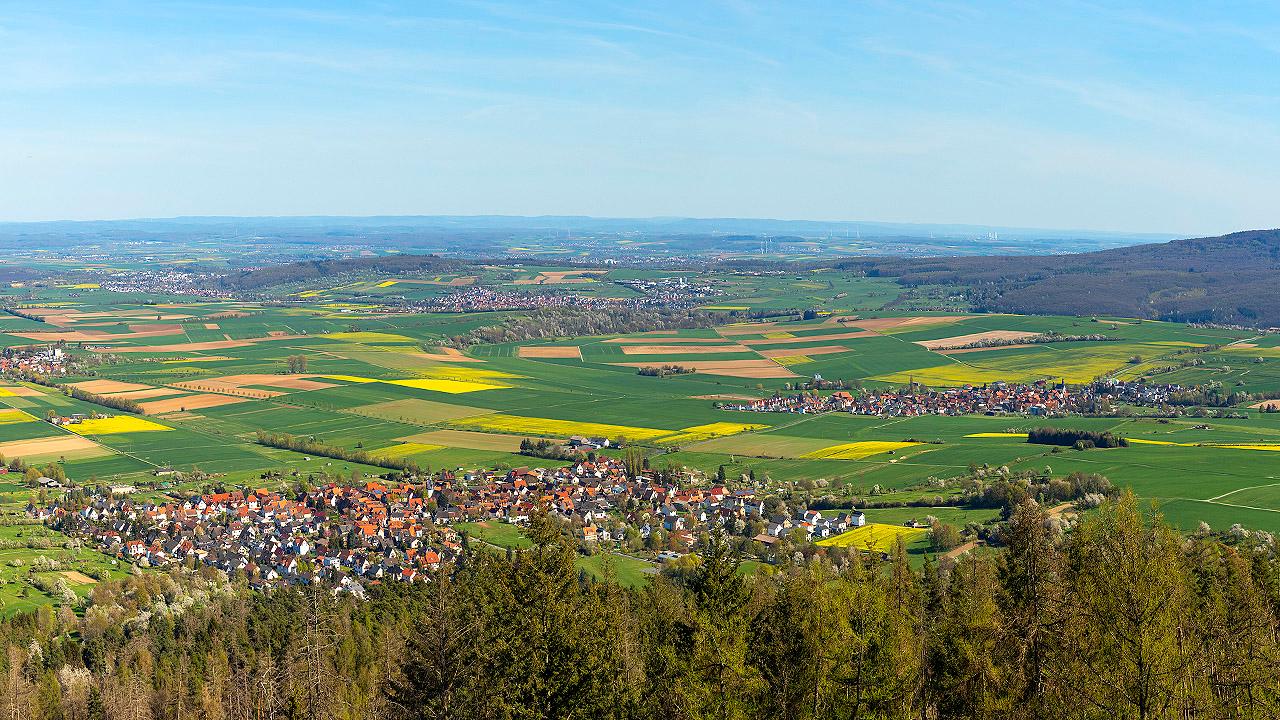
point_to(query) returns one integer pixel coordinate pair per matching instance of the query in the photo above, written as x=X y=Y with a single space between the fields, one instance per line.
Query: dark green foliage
x=270 y=275
x=115 y=403
x=547 y=449
x=665 y=370
x=1119 y=618
x=1070 y=437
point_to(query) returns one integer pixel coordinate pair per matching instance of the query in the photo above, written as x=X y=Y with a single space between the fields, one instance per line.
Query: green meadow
x=382 y=380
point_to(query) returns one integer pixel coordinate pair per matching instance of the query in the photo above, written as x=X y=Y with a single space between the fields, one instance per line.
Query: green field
x=384 y=381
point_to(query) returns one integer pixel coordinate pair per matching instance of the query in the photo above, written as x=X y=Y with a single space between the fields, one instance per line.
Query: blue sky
x=1138 y=117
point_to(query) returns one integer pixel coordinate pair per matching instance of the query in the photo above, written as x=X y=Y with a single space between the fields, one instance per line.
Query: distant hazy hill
x=491 y=235
x=310 y=270
x=1228 y=279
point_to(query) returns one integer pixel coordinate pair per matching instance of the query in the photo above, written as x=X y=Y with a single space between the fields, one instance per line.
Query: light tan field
x=213 y=386
x=185 y=347
x=19 y=391
x=467 y=440
x=188 y=402
x=76 y=577
x=811 y=338
x=961 y=351
x=228 y=383
x=299 y=382
x=94 y=336
x=681 y=349
x=1266 y=405
x=788 y=352
x=211 y=326
x=747 y=328
x=236 y=384
x=959 y=341
x=201 y=346
x=149 y=393
x=58 y=445
x=572 y=352
x=445 y=354
x=63 y=317
x=562 y=277
x=729 y=368
x=884 y=324
x=108 y=386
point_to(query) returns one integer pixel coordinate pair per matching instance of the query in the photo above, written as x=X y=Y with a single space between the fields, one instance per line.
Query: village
x=351 y=535
x=1041 y=399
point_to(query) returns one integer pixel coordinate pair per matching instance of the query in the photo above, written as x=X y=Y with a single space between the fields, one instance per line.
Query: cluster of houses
x=478 y=298
x=350 y=535
x=166 y=282
x=1041 y=398
x=812 y=523
x=672 y=292
x=675 y=291
x=45 y=360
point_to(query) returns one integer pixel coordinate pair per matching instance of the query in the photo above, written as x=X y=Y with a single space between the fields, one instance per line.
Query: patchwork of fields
x=208 y=376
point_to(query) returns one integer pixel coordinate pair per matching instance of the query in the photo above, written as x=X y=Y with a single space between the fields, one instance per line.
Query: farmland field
x=210 y=375
x=874 y=536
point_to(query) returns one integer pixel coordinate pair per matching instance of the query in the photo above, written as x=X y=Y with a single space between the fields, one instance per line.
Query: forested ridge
x=271 y=275
x=1227 y=279
x=1121 y=617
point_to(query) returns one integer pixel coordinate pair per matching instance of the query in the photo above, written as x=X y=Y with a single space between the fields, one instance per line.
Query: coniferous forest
x=1120 y=618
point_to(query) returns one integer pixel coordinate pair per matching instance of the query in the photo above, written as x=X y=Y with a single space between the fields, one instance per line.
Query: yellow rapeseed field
x=405 y=449
x=793 y=360
x=699 y=433
x=857 y=450
x=9 y=417
x=874 y=536
x=454 y=381
x=996 y=435
x=387 y=283
x=470 y=374
x=116 y=424
x=556 y=428
x=453 y=387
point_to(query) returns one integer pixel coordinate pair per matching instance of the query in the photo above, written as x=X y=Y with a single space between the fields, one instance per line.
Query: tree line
x=1121 y=617
x=311 y=446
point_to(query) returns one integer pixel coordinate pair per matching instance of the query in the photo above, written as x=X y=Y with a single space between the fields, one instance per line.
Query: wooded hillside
x=1120 y=618
x=1228 y=279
